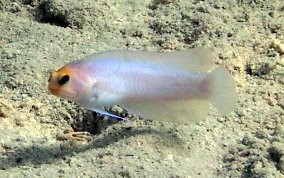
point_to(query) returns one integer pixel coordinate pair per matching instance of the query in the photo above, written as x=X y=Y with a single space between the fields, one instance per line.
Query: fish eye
x=63 y=79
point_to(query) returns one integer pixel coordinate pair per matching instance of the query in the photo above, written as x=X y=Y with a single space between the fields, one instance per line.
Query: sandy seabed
x=39 y=36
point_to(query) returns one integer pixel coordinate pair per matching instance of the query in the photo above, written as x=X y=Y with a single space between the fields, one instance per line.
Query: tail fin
x=223 y=96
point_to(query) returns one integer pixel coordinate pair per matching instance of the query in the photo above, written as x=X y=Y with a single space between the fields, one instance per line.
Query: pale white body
x=163 y=86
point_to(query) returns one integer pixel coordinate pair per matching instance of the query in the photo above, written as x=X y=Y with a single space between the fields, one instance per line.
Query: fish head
x=69 y=83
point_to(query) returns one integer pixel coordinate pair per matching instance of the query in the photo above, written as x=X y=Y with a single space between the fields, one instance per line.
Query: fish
x=177 y=86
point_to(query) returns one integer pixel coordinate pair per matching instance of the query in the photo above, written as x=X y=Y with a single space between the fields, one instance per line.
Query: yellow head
x=68 y=83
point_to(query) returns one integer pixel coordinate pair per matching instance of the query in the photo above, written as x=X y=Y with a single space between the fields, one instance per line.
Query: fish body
x=173 y=86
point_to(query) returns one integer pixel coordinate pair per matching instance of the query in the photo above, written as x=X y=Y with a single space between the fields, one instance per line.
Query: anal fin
x=184 y=112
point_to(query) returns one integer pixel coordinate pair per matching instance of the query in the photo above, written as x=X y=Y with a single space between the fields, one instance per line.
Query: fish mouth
x=57 y=92
x=53 y=91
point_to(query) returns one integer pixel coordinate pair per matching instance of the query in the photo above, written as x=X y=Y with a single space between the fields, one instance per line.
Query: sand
x=39 y=36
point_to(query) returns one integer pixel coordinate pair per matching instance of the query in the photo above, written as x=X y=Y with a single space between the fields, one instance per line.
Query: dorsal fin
x=195 y=59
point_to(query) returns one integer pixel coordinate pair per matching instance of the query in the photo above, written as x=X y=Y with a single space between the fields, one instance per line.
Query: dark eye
x=63 y=79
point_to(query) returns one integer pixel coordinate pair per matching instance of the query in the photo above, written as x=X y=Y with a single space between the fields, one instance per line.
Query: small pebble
x=5 y=109
x=281 y=165
x=272 y=101
x=257 y=165
x=279 y=47
x=15 y=7
x=281 y=130
x=277 y=150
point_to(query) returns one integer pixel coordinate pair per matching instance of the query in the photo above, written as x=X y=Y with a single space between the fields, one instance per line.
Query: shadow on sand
x=36 y=155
